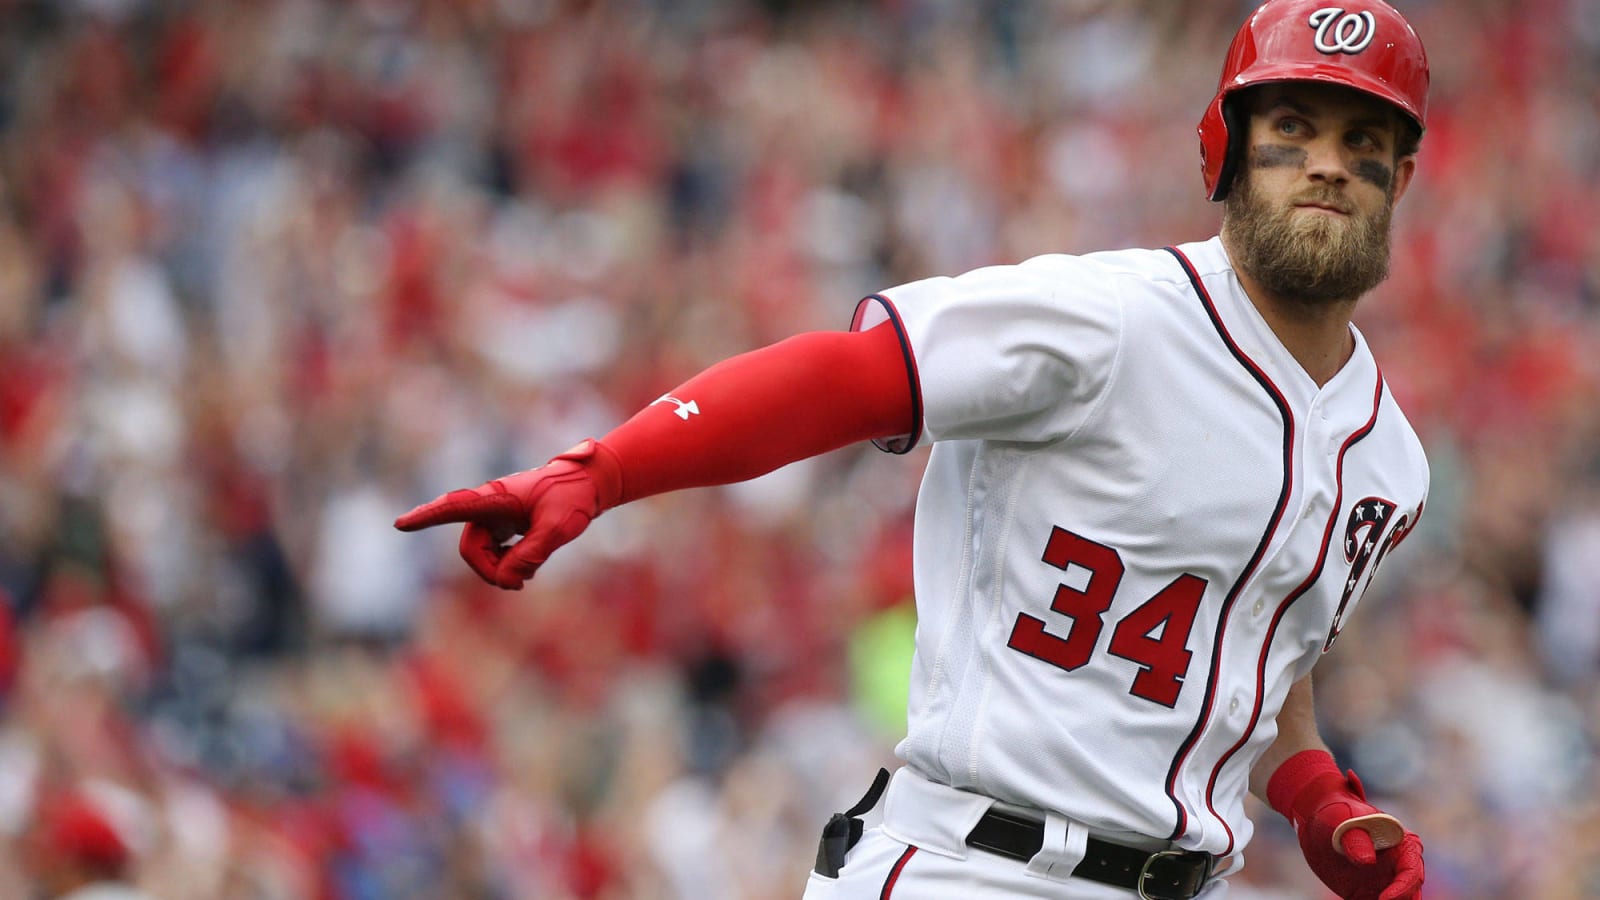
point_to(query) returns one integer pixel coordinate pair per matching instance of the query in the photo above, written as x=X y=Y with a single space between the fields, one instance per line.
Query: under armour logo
x=684 y=410
x=1342 y=32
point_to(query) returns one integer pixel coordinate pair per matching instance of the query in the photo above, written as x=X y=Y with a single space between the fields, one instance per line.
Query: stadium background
x=272 y=271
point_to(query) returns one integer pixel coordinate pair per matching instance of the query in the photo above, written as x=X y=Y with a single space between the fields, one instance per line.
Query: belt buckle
x=1145 y=874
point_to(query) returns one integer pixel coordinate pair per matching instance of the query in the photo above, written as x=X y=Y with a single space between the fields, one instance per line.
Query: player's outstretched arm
x=741 y=418
x=1357 y=850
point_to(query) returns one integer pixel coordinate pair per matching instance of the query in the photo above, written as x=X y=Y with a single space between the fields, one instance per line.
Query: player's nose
x=1327 y=161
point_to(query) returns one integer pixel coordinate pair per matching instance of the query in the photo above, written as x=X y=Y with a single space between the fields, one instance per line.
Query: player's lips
x=1325 y=207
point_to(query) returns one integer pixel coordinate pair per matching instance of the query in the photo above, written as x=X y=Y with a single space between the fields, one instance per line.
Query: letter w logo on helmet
x=1342 y=32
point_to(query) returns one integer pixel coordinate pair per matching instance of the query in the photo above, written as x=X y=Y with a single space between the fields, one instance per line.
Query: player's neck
x=1317 y=335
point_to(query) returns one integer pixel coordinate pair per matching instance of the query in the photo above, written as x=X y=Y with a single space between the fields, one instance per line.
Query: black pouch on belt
x=843 y=830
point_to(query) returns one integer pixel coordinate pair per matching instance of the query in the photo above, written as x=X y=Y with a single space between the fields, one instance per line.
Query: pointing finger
x=460 y=506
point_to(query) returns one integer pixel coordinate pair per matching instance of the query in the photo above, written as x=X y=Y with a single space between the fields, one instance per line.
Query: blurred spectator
x=80 y=854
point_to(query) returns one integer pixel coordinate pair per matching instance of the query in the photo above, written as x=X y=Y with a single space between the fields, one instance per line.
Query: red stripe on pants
x=894 y=873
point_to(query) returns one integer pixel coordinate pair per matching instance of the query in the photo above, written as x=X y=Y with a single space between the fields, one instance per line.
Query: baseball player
x=1160 y=482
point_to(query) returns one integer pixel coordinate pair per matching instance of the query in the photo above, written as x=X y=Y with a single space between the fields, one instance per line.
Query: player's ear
x=1404 y=169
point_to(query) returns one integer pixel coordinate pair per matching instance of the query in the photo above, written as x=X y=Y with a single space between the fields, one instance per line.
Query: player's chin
x=1318 y=226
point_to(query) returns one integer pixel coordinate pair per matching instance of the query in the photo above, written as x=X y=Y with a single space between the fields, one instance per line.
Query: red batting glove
x=1358 y=851
x=549 y=506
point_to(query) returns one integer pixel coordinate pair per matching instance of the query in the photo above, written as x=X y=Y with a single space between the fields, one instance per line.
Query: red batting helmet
x=1362 y=44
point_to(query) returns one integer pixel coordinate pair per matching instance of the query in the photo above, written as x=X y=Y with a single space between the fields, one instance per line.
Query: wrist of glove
x=547 y=506
x=1357 y=850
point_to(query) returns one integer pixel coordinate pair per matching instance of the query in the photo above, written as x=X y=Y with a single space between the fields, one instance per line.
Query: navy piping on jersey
x=1255 y=558
x=894 y=873
x=1296 y=594
x=909 y=441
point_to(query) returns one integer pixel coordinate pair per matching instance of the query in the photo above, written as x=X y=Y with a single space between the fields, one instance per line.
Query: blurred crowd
x=273 y=271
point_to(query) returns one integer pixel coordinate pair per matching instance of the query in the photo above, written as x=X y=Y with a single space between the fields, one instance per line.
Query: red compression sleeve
x=755 y=412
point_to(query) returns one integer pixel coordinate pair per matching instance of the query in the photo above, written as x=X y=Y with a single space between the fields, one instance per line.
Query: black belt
x=1160 y=875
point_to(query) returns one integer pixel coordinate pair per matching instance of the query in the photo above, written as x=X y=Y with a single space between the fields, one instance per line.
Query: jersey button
x=1261 y=604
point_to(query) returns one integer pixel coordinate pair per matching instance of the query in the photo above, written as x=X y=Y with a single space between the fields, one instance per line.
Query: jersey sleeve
x=1011 y=353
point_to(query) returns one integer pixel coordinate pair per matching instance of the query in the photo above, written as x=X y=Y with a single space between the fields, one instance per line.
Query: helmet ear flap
x=1236 y=123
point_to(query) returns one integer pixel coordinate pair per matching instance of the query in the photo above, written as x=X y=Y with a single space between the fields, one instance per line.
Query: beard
x=1312 y=259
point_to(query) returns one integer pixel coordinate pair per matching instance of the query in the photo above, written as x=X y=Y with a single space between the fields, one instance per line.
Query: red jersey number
x=1164 y=658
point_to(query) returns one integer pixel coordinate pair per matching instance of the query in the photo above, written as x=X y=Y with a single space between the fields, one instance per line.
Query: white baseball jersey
x=1141 y=522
